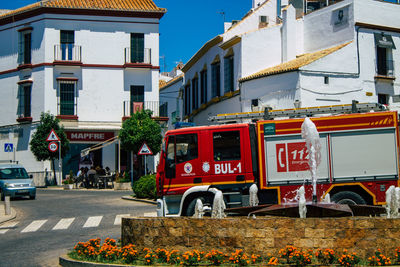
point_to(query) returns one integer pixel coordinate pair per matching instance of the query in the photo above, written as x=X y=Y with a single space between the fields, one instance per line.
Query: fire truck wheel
x=190 y=208
x=348 y=197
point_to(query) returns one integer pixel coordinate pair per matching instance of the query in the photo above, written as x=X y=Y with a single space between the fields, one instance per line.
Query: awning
x=384 y=40
x=98 y=146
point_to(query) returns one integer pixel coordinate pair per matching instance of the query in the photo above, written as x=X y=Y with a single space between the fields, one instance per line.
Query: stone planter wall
x=264 y=234
x=122 y=186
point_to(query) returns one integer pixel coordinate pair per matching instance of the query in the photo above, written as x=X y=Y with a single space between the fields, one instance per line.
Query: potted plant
x=122 y=182
x=68 y=182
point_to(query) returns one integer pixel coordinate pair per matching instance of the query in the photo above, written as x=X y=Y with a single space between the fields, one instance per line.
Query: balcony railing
x=385 y=68
x=67 y=52
x=159 y=109
x=137 y=57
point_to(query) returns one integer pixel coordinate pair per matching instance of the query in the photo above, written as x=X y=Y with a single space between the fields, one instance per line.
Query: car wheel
x=32 y=197
x=348 y=197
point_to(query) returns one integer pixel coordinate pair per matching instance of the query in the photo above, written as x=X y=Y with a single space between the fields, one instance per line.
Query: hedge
x=145 y=187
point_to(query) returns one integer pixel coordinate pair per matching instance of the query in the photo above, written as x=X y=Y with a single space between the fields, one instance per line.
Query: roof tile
x=116 y=5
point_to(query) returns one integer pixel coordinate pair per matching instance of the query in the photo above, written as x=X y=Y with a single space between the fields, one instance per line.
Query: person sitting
x=91 y=179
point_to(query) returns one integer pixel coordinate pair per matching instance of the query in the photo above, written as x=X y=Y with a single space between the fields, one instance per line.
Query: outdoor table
x=105 y=179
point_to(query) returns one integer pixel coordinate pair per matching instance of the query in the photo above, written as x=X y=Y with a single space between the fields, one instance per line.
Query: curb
x=65 y=261
x=6 y=218
x=139 y=200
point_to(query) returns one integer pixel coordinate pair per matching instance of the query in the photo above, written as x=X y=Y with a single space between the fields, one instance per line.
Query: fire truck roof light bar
x=269 y=114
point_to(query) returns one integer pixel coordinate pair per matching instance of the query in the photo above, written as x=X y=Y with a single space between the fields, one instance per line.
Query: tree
x=39 y=145
x=138 y=129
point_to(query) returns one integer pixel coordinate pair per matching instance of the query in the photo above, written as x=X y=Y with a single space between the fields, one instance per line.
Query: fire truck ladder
x=269 y=114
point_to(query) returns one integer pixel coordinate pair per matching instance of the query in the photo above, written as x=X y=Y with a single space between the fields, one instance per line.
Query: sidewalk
x=5 y=218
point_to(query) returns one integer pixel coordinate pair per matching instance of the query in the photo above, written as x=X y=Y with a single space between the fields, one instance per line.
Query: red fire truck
x=359 y=161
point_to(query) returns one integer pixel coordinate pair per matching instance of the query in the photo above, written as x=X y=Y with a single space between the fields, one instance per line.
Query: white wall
x=250 y=23
x=277 y=91
x=170 y=94
x=377 y=13
x=260 y=50
x=322 y=30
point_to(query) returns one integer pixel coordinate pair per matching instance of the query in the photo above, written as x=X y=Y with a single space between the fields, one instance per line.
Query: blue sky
x=186 y=26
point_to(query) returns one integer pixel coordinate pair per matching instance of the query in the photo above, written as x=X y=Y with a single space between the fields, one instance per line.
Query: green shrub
x=145 y=187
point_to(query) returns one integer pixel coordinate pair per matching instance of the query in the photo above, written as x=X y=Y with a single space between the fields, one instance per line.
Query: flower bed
x=112 y=252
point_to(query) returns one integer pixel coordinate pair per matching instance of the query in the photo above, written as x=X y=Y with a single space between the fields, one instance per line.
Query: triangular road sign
x=145 y=150
x=52 y=136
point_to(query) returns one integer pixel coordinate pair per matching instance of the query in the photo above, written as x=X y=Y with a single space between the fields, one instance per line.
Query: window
x=228 y=74
x=195 y=93
x=137 y=47
x=216 y=79
x=187 y=99
x=186 y=147
x=67 y=98
x=67 y=40
x=226 y=146
x=137 y=96
x=326 y=80
x=383 y=99
x=203 y=86
x=163 y=109
x=24 y=47
x=384 y=58
x=24 y=100
x=137 y=93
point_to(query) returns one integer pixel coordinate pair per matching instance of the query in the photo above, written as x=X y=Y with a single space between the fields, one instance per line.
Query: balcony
x=67 y=110
x=67 y=54
x=134 y=58
x=159 y=109
x=385 y=70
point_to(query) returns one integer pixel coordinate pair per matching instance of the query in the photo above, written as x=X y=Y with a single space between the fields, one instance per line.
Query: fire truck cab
x=195 y=160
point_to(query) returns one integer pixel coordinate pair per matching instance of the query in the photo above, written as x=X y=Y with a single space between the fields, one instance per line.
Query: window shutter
x=137 y=47
x=20 y=47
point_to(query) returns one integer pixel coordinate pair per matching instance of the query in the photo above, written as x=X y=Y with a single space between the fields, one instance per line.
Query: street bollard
x=7 y=206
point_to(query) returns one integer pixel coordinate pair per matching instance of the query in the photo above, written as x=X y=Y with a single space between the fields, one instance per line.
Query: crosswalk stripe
x=34 y=226
x=5 y=227
x=118 y=218
x=93 y=221
x=63 y=224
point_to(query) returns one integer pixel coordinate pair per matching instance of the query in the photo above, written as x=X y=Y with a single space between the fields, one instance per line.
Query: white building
x=276 y=56
x=85 y=62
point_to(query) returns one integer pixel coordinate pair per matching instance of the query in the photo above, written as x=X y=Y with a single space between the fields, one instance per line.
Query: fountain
x=317 y=209
x=199 y=209
x=218 y=206
x=302 y=202
x=310 y=133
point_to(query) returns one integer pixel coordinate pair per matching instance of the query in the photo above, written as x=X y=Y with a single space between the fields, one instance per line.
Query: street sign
x=145 y=150
x=8 y=147
x=52 y=136
x=53 y=146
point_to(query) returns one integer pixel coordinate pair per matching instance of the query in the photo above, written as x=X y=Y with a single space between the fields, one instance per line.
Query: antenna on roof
x=222 y=13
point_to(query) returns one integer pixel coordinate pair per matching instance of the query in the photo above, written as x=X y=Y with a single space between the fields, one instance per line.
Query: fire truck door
x=227 y=157
x=182 y=163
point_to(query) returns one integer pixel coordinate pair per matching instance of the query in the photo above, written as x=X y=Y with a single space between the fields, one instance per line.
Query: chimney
x=289 y=34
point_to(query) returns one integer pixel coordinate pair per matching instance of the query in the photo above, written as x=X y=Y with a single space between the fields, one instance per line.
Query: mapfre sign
x=89 y=136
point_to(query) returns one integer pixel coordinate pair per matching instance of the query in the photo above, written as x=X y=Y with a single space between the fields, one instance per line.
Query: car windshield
x=13 y=173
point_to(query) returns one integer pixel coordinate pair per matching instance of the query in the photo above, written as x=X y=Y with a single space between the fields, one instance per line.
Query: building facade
x=286 y=54
x=85 y=62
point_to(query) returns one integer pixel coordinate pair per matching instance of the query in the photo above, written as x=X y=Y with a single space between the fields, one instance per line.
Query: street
x=52 y=224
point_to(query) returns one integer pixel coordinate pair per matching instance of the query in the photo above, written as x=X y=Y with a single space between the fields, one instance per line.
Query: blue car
x=15 y=182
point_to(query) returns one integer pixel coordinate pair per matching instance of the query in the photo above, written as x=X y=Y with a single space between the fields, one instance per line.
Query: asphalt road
x=52 y=224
